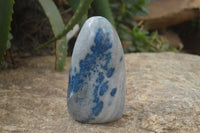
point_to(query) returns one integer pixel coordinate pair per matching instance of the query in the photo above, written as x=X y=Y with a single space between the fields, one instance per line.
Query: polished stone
x=97 y=77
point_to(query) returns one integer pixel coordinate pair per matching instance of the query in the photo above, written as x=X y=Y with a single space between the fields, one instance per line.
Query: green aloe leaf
x=57 y=26
x=80 y=12
x=102 y=8
x=6 y=10
x=74 y=4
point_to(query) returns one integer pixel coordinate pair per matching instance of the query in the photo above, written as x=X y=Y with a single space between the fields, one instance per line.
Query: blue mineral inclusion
x=121 y=58
x=113 y=92
x=97 y=109
x=110 y=72
x=95 y=94
x=103 y=88
x=100 y=78
x=100 y=57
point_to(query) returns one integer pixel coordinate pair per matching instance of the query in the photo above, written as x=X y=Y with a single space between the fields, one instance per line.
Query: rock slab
x=97 y=77
x=163 y=92
x=164 y=13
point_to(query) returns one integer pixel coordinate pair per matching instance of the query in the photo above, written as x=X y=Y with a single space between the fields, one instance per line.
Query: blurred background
x=142 y=25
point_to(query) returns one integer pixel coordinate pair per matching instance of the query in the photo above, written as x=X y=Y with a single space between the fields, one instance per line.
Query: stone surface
x=165 y=13
x=172 y=39
x=163 y=95
x=97 y=77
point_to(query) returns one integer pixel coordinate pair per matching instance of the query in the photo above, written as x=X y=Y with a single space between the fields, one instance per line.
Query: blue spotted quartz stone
x=97 y=77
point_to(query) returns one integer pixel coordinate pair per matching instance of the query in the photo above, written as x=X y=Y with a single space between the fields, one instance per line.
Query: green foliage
x=57 y=26
x=59 y=30
x=74 y=4
x=128 y=29
x=6 y=10
x=102 y=8
x=143 y=41
x=125 y=10
x=80 y=12
x=80 y=7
